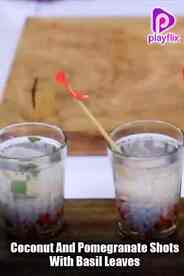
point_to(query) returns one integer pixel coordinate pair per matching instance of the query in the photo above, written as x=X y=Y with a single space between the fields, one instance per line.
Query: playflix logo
x=161 y=22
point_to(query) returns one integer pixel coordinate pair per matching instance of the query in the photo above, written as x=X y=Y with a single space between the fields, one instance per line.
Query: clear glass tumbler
x=32 y=165
x=147 y=177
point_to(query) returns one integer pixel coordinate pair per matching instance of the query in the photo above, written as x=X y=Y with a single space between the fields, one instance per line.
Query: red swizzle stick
x=61 y=78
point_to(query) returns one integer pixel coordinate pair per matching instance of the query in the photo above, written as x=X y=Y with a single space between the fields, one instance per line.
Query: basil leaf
x=19 y=187
x=33 y=139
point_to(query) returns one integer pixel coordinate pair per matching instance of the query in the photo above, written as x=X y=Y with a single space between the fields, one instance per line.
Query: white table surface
x=86 y=177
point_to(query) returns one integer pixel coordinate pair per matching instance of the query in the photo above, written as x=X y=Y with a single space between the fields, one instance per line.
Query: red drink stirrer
x=61 y=78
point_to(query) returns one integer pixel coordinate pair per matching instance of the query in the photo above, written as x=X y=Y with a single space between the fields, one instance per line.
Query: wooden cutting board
x=108 y=58
x=95 y=221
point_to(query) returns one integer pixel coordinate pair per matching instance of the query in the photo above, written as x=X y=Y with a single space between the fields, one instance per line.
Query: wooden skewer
x=112 y=144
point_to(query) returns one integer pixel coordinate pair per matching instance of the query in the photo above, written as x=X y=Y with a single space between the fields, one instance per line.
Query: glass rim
x=132 y=123
x=40 y=124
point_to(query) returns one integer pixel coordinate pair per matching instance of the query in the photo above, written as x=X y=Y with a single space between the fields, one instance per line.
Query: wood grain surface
x=106 y=57
x=96 y=221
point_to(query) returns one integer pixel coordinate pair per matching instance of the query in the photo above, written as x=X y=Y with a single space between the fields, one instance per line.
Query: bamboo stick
x=112 y=144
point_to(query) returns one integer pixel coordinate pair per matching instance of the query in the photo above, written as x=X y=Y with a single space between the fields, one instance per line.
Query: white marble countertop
x=86 y=177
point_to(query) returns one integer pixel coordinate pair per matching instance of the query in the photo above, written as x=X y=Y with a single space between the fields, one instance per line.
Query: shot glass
x=147 y=178
x=32 y=166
